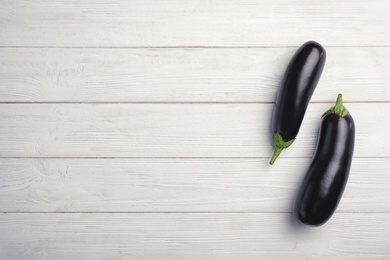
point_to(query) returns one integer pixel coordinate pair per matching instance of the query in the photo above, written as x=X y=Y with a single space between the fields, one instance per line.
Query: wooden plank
x=191 y=236
x=161 y=130
x=176 y=185
x=171 y=130
x=182 y=75
x=178 y=23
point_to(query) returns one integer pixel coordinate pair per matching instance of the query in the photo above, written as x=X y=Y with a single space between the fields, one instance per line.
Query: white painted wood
x=200 y=23
x=171 y=130
x=173 y=185
x=182 y=75
x=146 y=51
x=191 y=236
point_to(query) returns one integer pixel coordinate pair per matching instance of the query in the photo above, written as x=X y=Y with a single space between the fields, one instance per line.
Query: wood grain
x=194 y=236
x=177 y=185
x=92 y=23
x=170 y=130
x=141 y=129
x=182 y=75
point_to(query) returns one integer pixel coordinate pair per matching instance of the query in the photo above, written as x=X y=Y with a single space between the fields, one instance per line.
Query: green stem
x=275 y=155
x=280 y=144
x=339 y=108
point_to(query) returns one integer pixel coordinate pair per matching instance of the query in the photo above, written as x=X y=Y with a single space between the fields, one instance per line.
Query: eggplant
x=327 y=176
x=299 y=81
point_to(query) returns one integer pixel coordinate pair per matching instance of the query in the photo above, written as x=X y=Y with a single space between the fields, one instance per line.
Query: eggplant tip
x=276 y=154
x=280 y=145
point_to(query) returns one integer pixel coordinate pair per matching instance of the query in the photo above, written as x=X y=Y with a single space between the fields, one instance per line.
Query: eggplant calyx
x=280 y=145
x=338 y=109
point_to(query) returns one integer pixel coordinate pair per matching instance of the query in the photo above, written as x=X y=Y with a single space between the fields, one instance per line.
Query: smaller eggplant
x=327 y=176
x=298 y=84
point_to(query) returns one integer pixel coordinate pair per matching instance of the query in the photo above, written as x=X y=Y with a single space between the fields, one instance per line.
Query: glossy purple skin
x=297 y=86
x=324 y=183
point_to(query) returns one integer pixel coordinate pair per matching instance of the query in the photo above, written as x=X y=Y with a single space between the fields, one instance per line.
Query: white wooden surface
x=182 y=74
x=141 y=129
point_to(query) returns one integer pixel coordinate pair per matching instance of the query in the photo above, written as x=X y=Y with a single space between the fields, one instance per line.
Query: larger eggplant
x=325 y=180
x=297 y=86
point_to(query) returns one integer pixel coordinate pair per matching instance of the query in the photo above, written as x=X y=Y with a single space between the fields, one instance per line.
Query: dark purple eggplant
x=297 y=86
x=325 y=180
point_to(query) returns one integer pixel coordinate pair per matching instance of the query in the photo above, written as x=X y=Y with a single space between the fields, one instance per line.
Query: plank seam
x=187 y=47
x=171 y=102
x=168 y=158
x=178 y=212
